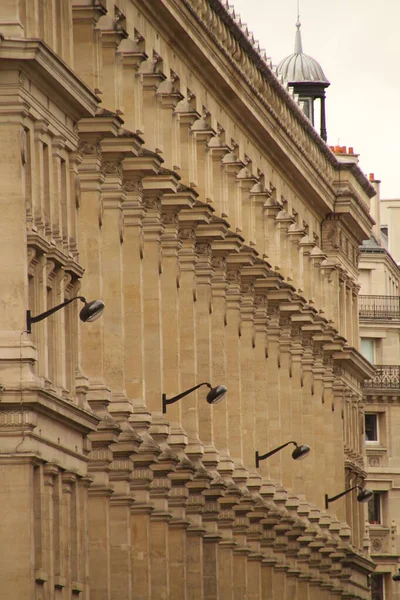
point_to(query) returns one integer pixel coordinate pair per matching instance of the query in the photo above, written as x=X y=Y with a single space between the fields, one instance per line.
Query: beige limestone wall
x=180 y=211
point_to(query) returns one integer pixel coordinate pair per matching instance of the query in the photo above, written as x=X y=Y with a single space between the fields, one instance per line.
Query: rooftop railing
x=386 y=377
x=379 y=307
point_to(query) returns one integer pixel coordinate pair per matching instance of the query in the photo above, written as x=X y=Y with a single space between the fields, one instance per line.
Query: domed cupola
x=307 y=78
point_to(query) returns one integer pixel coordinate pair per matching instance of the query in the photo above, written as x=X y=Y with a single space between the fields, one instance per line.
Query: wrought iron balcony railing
x=386 y=377
x=379 y=307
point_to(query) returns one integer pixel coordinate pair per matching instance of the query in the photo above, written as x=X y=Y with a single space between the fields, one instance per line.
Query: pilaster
x=187 y=115
x=87 y=43
x=150 y=76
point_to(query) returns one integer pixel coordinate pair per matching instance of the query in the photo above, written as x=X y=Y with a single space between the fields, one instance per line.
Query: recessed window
x=375 y=509
x=371 y=427
x=377 y=587
x=367 y=349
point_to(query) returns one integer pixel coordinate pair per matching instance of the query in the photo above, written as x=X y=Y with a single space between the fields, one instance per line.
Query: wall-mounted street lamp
x=364 y=495
x=396 y=576
x=215 y=395
x=90 y=312
x=300 y=452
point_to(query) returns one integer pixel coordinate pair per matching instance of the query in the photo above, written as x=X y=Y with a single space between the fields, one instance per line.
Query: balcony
x=379 y=307
x=386 y=377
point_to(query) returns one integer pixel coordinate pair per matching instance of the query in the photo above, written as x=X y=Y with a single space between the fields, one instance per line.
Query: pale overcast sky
x=357 y=43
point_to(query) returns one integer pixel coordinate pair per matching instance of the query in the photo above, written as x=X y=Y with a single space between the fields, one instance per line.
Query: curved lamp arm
x=268 y=454
x=165 y=402
x=47 y=313
x=328 y=500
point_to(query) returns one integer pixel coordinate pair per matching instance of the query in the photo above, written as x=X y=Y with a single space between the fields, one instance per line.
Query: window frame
x=373 y=348
x=376 y=415
x=378 y=495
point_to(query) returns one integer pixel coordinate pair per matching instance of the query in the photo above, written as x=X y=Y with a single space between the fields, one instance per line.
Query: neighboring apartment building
x=389 y=226
x=379 y=310
x=151 y=158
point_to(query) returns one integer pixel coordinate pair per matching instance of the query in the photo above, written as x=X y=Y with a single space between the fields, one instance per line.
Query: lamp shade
x=92 y=311
x=300 y=452
x=365 y=495
x=216 y=394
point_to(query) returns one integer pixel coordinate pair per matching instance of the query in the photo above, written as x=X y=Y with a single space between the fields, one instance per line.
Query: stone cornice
x=278 y=101
x=47 y=403
x=355 y=363
x=57 y=79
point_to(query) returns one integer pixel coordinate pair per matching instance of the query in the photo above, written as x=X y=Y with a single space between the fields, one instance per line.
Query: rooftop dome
x=301 y=68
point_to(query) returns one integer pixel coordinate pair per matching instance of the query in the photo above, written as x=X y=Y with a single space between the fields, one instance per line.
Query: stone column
x=340 y=436
x=187 y=115
x=195 y=533
x=272 y=465
x=168 y=97
x=151 y=78
x=171 y=308
x=120 y=507
x=142 y=508
x=220 y=349
x=267 y=492
x=319 y=485
x=87 y=44
x=286 y=396
x=178 y=525
x=204 y=342
x=298 y=482
x=152 y=334
x=112 y=33
x=240 y=529
x=99 y=514
x=231 y=205
x=83 y=485
x=50 y=472
x=187 y=334
x=90 y=244
x=217 y=149
x=246 y=182
x=306 y=245
x=133 y=258
x=170 y=284
x=212 y=537
x=261 y=384
x=132 y=50
x=233 y=371
x=342 y=324
x=113 y=196
x=307 y=407
x=160 y=518
x=295 y=235
x=254 y=537
x=69 y=529
x=283 y=221
x=317 y=259
x=228 y=543
x=331 y=444
x=247 y=362
x=349 y=313
x=202 y=133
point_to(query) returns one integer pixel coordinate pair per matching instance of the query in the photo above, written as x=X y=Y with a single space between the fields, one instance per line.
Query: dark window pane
x=377 y=586
x=374 y=509
x=371 y=427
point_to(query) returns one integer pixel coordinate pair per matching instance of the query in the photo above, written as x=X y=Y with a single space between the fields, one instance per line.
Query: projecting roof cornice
x=238 y=46
x=58 y=80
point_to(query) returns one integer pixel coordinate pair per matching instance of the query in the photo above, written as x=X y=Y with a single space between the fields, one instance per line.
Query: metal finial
x=298 y=47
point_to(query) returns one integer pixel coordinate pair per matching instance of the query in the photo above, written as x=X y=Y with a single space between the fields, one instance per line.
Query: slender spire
x=298 y=46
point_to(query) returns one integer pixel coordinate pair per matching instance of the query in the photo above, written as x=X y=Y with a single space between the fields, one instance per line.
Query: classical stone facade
x=379 y=308
x=151 y=158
